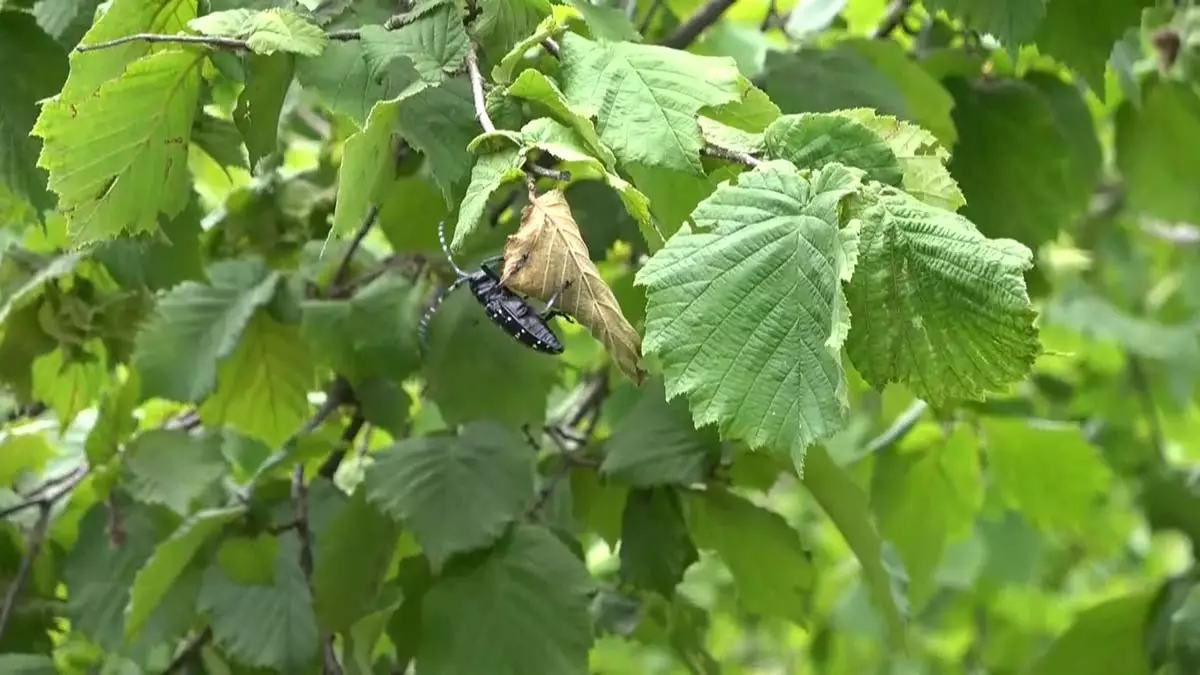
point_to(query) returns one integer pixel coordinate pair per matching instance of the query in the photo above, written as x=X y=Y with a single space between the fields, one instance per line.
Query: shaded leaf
x=1165 y=124
x=343 y=78
x=259 y=105
x=440 y=122
x=1012 y=23
x=656 y=548
x=454 y=493
x=352 y=554
x=172 y=467
x=1087 y=51
x=545 y=254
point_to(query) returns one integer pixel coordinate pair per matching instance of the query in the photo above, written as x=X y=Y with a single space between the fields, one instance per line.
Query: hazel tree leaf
x=1012 y=23
x=435 y=42
x=656 y=444
x=1109 y=637
x=922 y=159
x=368 y=166
x=267 y=31
x=172 y=467
x=352 y=556
x=351 y=80
x=121 y=179
x=554 y=23
x=22 y=453
x=492 y=171
x=522 y=609
x=1166 y=123
x=503 y=24
x=440 y=122
x=70 y=383
x=741 y=311
x=35 y=68
x=169 y=560
x=771 y=566
x=812 y=140
x=262 y=387
x=257 y=113
x=533 y=85
x=454 y=493
x=204 y=322
x=937 y=305
x=646 y=98
x=1087 y=51
x=545 y=254
x=656 y=548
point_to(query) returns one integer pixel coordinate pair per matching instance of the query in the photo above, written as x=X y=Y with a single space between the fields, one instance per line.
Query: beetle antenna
x=423 y=327
x=446 y=250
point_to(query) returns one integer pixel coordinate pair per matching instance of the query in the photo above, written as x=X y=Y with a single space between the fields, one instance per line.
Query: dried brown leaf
x=545 y=253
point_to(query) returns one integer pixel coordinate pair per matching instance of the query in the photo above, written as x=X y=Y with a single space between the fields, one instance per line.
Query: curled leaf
x=546 y=253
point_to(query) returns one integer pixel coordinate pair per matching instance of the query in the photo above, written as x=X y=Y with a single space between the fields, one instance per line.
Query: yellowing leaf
x=547 y=252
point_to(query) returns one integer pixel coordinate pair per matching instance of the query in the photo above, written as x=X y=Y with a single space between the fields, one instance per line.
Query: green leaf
x=475 y=370
x=812 y=140
x=68 y=381
x=758 y=352
x=921 y=158
x=844 y=502
x=656 y=444
x=352 y=555
x=942 y=471
x=368 y=164
x=454 y=493
x=606 y=23
x=264 y=625
x=121 y=180
x=21 y=453
x=99 y=576
x=173 y=468
x=35 y=68
x=27 y=664
x=522 y=609
x=1185 y=645
x=169 y=560
x=219 y=139
x=1013 y=162
x=647 y=97
x=435 y=43
x=440 y=122
x=1095 y=317
x=258 y=106
x=1106 y=638
x=502 y=24
x=937 y=305
x=203 y=321
x=491 y=172
x=370 y=334
x=533 y=85
x=159 y=261
x=1055 y=490
x=267 y=32
x=1012 y=23
x=771 y=566
x=656 y=548
x=343 y=78
x=1087 y=51
x=1165 y=124
x=262 y=387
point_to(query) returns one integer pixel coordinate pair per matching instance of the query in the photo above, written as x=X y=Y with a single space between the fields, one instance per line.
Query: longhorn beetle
x=506 y=309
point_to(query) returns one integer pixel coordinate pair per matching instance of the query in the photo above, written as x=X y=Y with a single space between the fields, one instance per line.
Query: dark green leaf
x=656 y=548
x=258 y=107
x=1165 y=125
x=173 y=468
x=352 y=554
x=1106 y=638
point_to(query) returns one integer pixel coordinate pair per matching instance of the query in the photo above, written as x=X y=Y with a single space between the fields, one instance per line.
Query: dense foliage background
x=882 y=359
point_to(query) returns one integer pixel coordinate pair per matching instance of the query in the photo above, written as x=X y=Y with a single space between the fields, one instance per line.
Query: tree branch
x=731 y=155
x=481 y=113
x=205 y=40
x=330 y=466
x=892 y=19
x=191 y=649
x=900 y=427
x=343 y=267
x=694 y=25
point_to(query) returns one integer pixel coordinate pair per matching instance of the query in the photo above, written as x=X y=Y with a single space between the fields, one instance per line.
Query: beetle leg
x=549 y=312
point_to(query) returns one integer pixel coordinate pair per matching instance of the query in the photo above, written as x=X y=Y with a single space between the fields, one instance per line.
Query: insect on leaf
x=547 y=252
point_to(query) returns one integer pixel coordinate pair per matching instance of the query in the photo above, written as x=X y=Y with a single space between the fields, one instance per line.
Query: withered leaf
x=546 y=252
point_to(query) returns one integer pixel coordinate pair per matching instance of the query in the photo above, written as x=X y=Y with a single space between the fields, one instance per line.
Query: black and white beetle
x=506 y=309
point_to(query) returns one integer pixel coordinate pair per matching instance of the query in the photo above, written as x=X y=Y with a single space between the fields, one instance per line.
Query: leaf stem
x=731 y=155
x=205 y=40
x=481 y=113
x=695 y=24
x=893 y=17
x=900 y=427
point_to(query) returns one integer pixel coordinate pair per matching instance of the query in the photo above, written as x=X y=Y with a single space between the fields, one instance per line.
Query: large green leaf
x=343 y=78
x=440 y=122
x=368 y=164
x=120 y=180
x=371 y=334
x=1012 y=23
x=771 y=565
x=656 y=548
x=454 y=493
x=172 y=467
x=656 y=444
x=259 y=105
x=1165 y=124
x=812 y=140
x=435 y=43
x=266 y=32
x=1106 y=638
x=169 y=560
x=492 y=170
x=1081 y=34
x=35 y=68
x=936 y=305
x=743 y=311
x=268 y=624
x=534 y=85
x=646 y=98
x=522 y=609
x=203 y=321
x=352 y=555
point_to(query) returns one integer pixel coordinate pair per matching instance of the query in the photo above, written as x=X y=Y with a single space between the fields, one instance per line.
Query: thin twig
x=205 y=40
x=481 y=112
x=300 y=511
x=75 y=478
x=731 y=155
x=191 y=649
x=73 y=474
x=343 y=267
x=900 y=427
x=892 y=19
x=330 y=466
x=553 y=174
x=36 y=537
x=644 y=25
x=695 y=24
